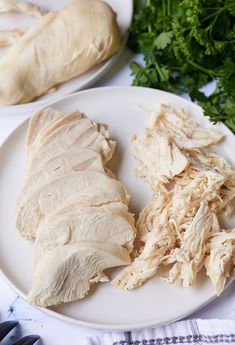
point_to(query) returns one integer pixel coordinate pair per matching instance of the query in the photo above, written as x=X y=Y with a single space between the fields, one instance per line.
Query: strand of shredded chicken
x=22 y=6
x=8 y=37
x=191 y=187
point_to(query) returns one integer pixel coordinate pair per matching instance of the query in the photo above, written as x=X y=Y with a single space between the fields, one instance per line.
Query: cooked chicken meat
x=79 y=133
x=111 y=223
x=184 y=131
x=93 y=195
x=145 y=266
x=74 y=207
x=40 y=121
x=189 y=257
x=50 y=196
x=22 y=6
x=49 y=127
x=65 y=163
x=155 y=148
x=8 y=37
x=66 y=273
x=221 y=259
x=191 y=186
x=80 y=36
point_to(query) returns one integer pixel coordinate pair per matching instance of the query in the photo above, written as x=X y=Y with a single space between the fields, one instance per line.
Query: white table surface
x=51 y=330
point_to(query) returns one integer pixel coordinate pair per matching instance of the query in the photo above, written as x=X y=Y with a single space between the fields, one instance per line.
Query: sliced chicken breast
x=47 y=198
x=65 y=163
x=111 y=223
x=81 y=133
x=66 y=273
x=39 y=121
x=48 y=127
x=93 y=195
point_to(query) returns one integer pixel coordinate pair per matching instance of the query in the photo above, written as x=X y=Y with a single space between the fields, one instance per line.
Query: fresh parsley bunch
x=186 y=44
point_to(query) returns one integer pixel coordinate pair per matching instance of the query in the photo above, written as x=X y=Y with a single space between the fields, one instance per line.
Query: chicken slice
x=184 y=131
x=62 y=164
x=53 y=126
x=221 y=248
x=111 y=223
x=66 y=273
x=50 y=196
x=190 y=256
x=81 y=133
x=22 y=6
x=93 y=195
x=8 y=37
x=48 y=129
x=39 y=121
x=80 y=35
x=159 y=158
x=42 y=125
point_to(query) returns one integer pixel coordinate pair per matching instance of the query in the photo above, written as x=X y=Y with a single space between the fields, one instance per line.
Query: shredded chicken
x=191 y=253
x=184 y=131
x=8 y=37
x=191 y=187
x=220 y=261
x=22 y=6
x=155 y=148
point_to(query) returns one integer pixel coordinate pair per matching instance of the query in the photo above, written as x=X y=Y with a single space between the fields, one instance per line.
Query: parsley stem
x=169 y=7
x=164 y=7
x=159 y=70
x=205 y=70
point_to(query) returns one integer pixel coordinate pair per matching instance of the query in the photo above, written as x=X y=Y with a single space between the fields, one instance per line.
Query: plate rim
x=101 y=326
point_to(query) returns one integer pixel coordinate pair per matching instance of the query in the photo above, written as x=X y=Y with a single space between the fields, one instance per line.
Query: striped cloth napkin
x=184 y=332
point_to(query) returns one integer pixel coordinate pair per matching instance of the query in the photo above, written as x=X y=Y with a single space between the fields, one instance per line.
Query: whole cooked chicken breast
x=66 y=273
x=60 y=46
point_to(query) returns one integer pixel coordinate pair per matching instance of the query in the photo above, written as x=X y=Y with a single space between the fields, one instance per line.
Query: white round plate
x=124 y=109
x=124 y=10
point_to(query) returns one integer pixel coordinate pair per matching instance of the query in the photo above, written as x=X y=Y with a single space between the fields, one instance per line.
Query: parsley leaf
x=185 y=45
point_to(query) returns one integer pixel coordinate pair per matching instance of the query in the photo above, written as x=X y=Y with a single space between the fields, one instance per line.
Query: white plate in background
x=124 y=10
x=124 y=109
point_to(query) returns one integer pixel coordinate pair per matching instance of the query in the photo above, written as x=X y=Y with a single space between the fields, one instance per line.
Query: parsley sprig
x=185 y=45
